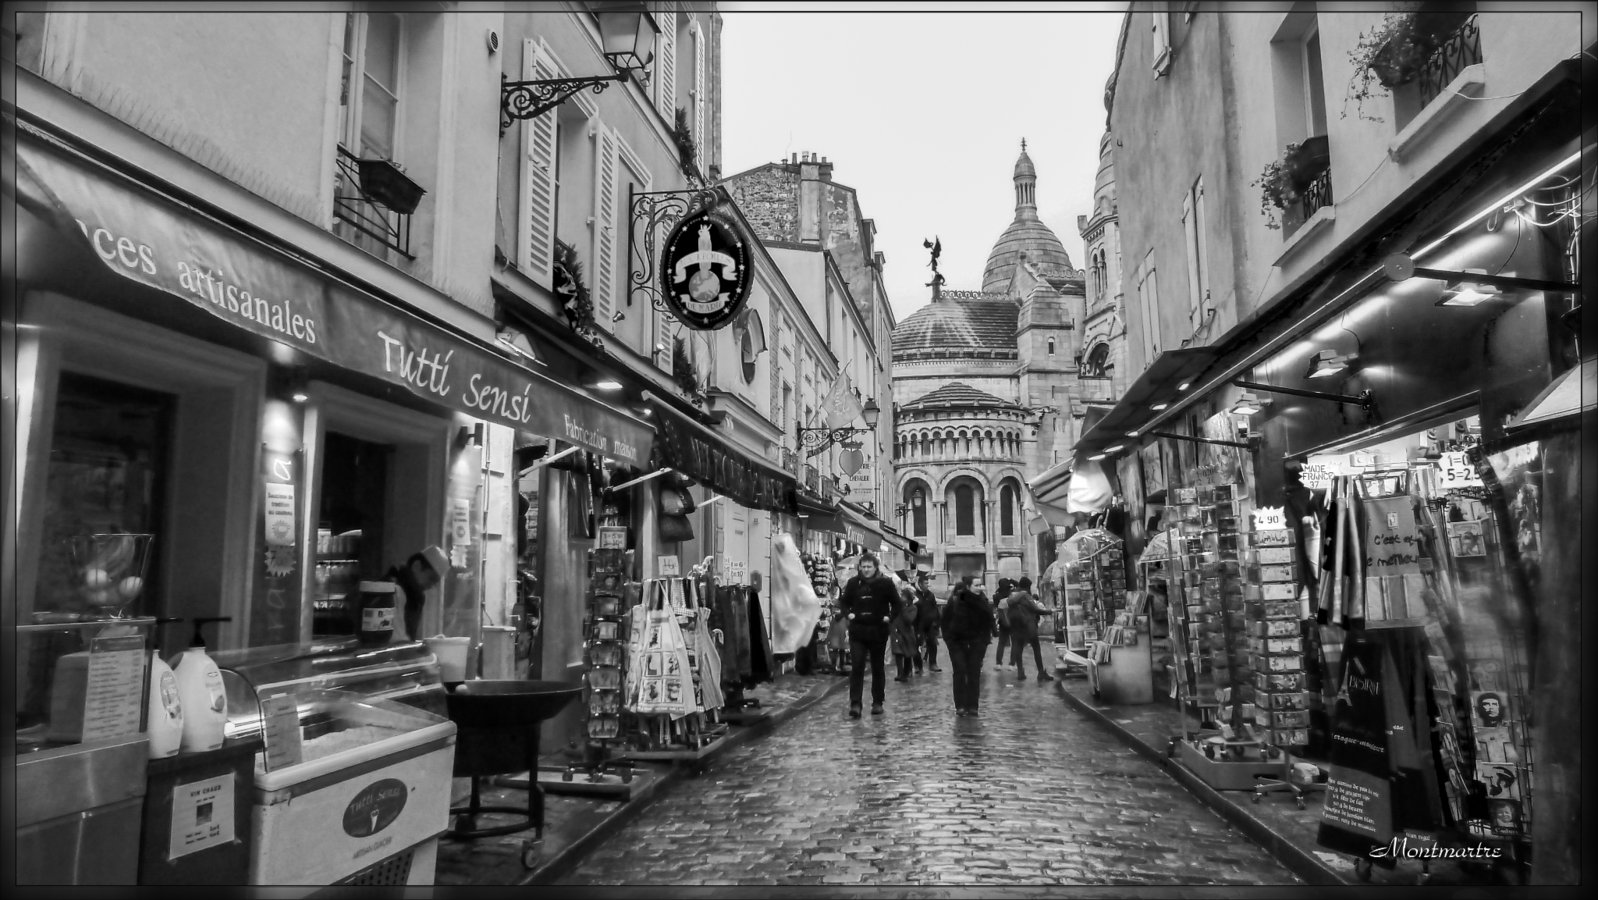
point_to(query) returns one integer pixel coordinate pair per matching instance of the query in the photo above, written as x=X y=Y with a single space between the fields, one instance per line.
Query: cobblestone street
x=1030 y=793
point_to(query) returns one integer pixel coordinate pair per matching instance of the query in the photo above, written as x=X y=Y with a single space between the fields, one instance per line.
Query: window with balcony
x=373 y=198
x=1303 y=181
x=1443 y=42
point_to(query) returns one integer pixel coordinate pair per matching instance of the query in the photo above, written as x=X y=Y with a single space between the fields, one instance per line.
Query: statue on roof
x=936 y=246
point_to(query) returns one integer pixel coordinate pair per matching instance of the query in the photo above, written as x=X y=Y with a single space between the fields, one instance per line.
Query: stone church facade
x=989 y=391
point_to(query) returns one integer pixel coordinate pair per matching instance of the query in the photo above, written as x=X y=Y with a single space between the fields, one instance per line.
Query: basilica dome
x=1026 y=234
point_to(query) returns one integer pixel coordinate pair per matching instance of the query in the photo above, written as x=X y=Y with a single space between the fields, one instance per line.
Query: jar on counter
x=378 y=612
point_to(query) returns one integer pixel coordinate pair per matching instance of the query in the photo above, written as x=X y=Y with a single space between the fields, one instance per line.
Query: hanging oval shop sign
x=375 y=807
x=705 y=271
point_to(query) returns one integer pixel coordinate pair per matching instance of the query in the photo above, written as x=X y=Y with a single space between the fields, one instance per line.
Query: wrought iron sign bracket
x=658 y=212
x=815 y=440
x=530 y=99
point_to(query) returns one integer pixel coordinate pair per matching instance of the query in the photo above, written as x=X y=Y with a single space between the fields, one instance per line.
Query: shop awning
x=860 y=528
x=906 y=545
x=1162 y=382
x=705 y=456
x=1568 y=395
x=156 y=240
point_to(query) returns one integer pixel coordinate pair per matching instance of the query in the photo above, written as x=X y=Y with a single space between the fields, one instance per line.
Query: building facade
x=1313 y=279
x=991 y=388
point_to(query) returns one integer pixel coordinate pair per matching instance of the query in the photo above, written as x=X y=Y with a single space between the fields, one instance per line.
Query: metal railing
x=1454 y=53
x=357 y=209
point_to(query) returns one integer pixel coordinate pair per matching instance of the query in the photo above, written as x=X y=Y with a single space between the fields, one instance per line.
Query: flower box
x=384 y=183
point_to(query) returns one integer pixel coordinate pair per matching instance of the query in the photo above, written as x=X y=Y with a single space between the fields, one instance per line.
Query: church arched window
x=1007 y=509
x=915 y=497
x=1051 y=346
x=965 y=504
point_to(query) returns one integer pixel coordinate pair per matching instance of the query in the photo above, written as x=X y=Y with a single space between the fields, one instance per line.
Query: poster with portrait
x=1502 y=781
x=1466 y=539
x=1488 y=709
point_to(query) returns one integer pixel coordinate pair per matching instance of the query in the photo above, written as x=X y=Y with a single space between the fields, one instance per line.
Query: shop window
x=107 y=476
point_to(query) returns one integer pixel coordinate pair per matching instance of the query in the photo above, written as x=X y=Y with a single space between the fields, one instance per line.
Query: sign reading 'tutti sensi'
x=142 y=237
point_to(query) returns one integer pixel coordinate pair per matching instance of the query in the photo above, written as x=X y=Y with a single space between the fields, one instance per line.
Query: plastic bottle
x=379 y=608
x=165 y=709
x=201 y=694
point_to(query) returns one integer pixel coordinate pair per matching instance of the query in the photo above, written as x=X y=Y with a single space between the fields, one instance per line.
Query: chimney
x=826 y=169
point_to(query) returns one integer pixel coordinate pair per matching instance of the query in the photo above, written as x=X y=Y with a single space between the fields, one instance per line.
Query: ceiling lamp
x=606 y=384
x=1327 y=363
x=1468 y=293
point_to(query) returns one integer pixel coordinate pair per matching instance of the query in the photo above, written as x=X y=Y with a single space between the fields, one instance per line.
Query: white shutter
x=1154 y=313
x=1190 y=235
x=603 y=277
x=537 y=203
x=664 y=328
x=701 y=86
x=1202 y=227
x=666 y=68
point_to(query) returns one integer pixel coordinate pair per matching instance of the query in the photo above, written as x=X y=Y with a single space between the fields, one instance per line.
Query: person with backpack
x=868 y=603
x=968 y=626
x=1024 y=612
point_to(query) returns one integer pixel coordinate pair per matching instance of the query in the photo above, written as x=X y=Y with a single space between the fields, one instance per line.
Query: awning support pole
x=540 y=463
x=1198 y=440
x=628 y=484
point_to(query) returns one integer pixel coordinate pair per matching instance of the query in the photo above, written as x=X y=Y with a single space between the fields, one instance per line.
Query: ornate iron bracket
x=529 y=99
x=658 y=212
x=815 y=440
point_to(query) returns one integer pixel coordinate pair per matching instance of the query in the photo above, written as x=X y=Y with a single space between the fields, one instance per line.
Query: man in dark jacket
x=1024 y=611
x=869 y=602
x=1000 y=610
x=927 y=620
x=968 y=626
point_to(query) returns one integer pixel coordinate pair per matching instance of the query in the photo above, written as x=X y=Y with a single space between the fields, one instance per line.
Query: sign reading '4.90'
x=705 y=273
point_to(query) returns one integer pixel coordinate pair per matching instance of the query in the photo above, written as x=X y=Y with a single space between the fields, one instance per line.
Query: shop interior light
x=1184 y=385
x=1160 y=406
x=1326 y=363
x=1115 y=448
x=606 y=384
x=1098 y=456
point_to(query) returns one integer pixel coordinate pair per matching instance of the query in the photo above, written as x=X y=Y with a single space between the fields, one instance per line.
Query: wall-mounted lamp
x=1471 y=287
x=1326 y=363
x=627 y=38
x=299 y=386
x=617 y=316
x=1248 y=405
x=814 y=440
x=516 y=342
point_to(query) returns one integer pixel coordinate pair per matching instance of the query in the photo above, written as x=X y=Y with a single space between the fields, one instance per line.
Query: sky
x=922 y=112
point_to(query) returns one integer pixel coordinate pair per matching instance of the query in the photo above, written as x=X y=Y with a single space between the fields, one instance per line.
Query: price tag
x=668 y=566
x=1269 y=518
x=115 y=692
x=1316 y=476
x=1454 y=471
x=281 y=731
x=737 y=567
x=613 y=537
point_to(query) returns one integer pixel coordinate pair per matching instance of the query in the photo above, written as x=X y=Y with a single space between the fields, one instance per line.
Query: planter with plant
x=687 y=150
x=576 y=303
x=1392 y=54
x=1284 y=180
x=683 y=370
x=386 y=183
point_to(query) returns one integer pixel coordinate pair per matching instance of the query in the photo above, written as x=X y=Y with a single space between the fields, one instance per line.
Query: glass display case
x=353 y=786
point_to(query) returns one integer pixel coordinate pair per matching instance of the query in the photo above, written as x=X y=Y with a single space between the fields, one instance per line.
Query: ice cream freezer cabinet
x=354 y=785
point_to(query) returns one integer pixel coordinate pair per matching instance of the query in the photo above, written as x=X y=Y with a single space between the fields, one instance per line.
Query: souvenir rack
x=688 y=737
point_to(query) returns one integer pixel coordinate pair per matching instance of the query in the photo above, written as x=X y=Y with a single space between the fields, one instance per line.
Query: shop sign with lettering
x=705 y=272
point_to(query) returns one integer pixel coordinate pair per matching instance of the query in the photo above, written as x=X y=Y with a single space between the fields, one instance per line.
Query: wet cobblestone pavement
x=1030 y=793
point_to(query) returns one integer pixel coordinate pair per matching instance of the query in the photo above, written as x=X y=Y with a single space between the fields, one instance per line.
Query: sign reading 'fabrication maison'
x=147 y=240
x=705 y=274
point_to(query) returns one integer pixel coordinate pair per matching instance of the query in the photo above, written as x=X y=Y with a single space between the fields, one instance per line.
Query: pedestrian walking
x=1001 y=613
x=869 y=603
x=1024 y=611
x=927 y=620
x=903 y=638
x=968 y=626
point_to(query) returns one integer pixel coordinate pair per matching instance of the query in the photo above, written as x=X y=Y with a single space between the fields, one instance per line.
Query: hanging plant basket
x=1401 y=60
x=382 y=180
x=1304 y=162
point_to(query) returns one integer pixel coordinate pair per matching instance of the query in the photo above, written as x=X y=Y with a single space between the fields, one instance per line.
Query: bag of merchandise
x=665 y=678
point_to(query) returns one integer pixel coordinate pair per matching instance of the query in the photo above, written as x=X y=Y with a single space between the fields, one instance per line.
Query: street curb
x=566 y=860
x=1303 y=863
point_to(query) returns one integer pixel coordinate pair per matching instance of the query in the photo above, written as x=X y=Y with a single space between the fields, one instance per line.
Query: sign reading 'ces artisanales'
x=705 y=273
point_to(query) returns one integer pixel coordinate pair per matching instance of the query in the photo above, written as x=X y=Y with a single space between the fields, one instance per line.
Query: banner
x=840 y=405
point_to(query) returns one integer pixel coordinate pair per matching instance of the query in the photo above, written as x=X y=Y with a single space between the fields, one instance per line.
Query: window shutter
x=1202 y=226
x=604 y=280
x=1189 y=231
x=664 y=328
x=1154 y=308
x=666 y=68
x=701 y=85
x=537 y=213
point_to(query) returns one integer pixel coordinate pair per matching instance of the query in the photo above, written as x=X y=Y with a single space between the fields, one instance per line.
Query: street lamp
x=814 y=440
x=627 y=38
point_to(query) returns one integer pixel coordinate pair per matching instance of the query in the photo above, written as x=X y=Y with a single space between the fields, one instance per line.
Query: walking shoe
x=962 y=713
x=901 y=678
x=1044 y=676
x=854 y=712
x=876 y=709
x=972 y=712
x=1021 y=677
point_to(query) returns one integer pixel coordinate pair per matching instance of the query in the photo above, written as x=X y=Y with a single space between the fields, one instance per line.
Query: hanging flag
x=840 y=405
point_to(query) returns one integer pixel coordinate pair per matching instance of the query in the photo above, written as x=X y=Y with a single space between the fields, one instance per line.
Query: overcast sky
x=923 y=114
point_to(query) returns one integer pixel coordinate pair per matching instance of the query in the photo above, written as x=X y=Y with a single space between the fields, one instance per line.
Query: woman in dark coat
x=1024 y=611
x=869 y=602
x=968 y=626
